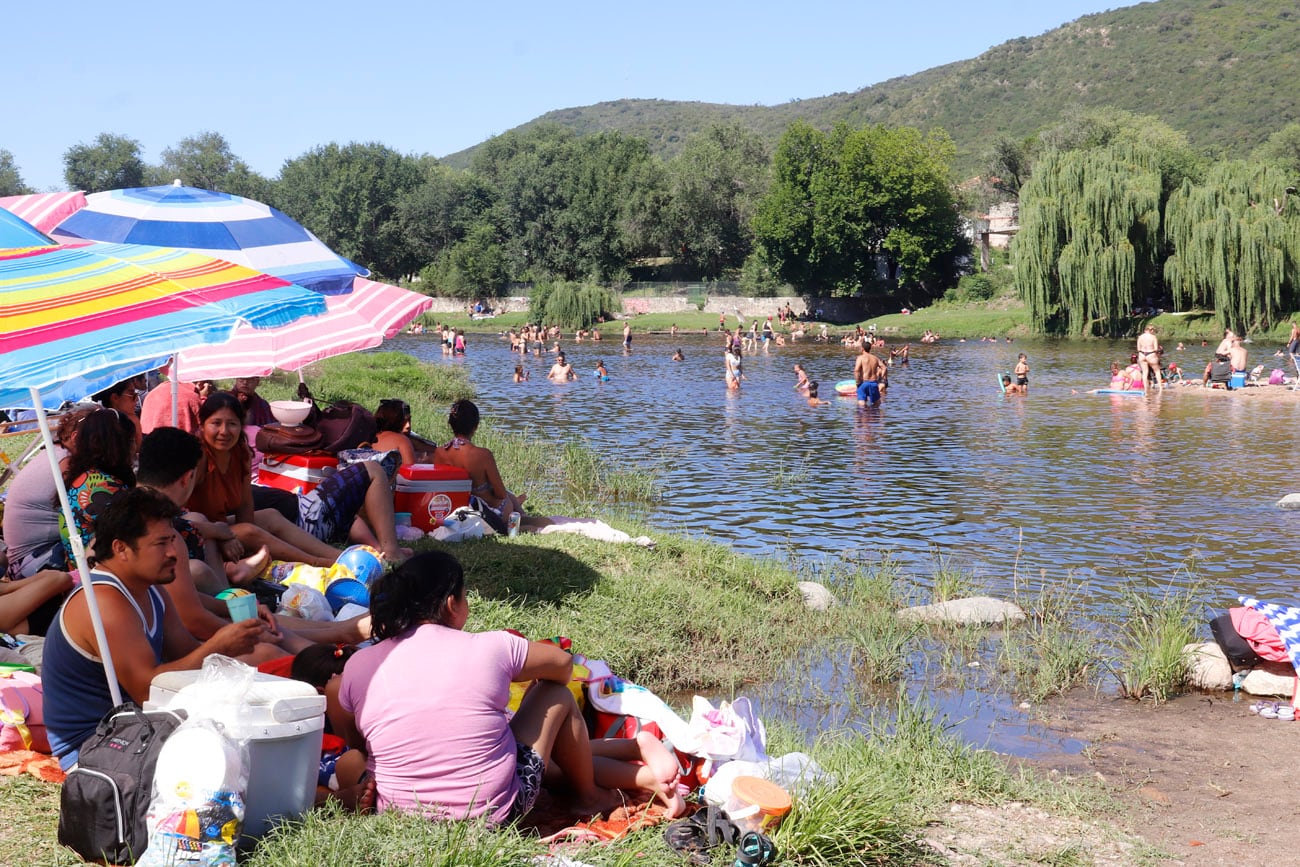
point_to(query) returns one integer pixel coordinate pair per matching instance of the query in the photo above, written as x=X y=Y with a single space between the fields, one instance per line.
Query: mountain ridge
x=1219 y=71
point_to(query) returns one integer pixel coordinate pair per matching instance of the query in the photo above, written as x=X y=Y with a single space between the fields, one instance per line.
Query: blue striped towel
x=1285 y=620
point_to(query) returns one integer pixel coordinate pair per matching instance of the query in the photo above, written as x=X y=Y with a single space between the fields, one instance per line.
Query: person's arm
x=546 y=662
x=18 y=599
x=488 y=463
x=183 y=652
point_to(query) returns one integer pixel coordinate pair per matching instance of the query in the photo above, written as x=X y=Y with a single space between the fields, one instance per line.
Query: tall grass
x=1149 y=638
x=1054 y=649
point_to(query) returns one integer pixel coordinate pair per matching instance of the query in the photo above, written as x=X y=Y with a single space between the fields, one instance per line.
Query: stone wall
x=831 y=309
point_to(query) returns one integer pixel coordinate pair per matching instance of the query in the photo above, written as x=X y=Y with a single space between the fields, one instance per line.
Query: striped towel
x=1285 y=620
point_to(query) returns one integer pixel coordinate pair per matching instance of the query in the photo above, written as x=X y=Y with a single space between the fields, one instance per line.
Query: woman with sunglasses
x=393 y=422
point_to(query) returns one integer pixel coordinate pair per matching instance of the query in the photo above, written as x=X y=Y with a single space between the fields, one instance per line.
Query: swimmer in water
x=521 y=375
x=1010 y=387
x=677 y=355
x=601 y=372
x=813 y=399
x=801 y=378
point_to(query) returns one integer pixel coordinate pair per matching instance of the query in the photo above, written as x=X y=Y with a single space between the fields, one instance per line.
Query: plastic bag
x=459 y=529
x=305 y=602
x=729 y=731
x=201 y=779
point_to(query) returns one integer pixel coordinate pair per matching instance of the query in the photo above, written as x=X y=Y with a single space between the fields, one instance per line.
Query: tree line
x=868 y=211
x=1120 y=217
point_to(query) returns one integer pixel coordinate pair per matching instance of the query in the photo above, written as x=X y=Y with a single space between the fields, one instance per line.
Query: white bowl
x=290 y=412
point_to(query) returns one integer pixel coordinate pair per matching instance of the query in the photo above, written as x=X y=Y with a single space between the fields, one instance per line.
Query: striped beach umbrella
x=76 y=318
x=16 y=232
x=220 y=225
x=44 y=210
x=362 y=319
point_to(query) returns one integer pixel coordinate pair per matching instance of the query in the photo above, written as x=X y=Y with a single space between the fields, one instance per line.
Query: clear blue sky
x=279 y=77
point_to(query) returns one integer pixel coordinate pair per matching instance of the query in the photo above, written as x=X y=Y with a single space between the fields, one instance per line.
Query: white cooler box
x=283 y=724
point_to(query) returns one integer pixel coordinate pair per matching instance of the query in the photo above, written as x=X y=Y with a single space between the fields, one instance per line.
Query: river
x=1101 y=493
x=1109 y=491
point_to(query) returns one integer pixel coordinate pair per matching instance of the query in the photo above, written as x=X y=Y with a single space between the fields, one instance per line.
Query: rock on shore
x=981 y=610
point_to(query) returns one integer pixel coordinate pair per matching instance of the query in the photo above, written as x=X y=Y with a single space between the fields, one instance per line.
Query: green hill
x=1224 y=72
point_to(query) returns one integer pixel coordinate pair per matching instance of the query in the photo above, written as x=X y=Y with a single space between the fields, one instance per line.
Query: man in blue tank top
x=136 y=547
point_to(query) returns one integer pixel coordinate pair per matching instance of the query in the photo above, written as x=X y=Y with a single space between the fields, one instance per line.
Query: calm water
x=1107 y=491
x=1110 y=489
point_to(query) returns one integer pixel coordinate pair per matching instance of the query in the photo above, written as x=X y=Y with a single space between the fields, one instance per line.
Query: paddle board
x=1119 y=391
x=846 y=388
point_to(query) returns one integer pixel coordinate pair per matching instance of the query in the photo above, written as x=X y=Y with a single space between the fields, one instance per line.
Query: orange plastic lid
x=766 y=795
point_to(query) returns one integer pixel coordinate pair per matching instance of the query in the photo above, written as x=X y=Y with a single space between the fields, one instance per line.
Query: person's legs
x=378 y=513
x=550 y=723
x=285 y=541
x=643 y=763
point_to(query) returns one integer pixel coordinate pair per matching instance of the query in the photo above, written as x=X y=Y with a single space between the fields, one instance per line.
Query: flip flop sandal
x=688 y=839
x=755 y=850
x=1286 y=713
x=1268 y=711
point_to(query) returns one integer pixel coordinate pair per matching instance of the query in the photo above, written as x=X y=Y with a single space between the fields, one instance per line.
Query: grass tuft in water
x=1149 y=640
x=1054 y=649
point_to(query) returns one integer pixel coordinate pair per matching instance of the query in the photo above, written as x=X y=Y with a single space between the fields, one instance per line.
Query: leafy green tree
x=1010 y=164
x=847 y=205
x=1089 y=238
x=562 y=203
x=348 y=195
x=112 y=162
x=473 y=267
x=571 y=305
x=206 y=161
x=1236 y=238
x=11 y=181
x=442 y=210
x=1282 y=149
x=715 y=185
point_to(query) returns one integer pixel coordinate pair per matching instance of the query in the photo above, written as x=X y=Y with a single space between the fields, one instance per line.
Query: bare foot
x=249 y=568
x=600 y=803
x=359 y=798
x=398 y=555
x=658 y=758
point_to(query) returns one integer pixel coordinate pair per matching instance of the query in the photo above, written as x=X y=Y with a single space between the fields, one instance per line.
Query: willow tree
x=1236 y=241
x=1089 y=238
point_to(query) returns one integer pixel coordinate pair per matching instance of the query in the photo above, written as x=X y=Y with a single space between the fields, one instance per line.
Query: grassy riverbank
x=685 y=616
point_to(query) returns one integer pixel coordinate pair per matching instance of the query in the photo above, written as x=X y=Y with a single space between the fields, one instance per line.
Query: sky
x=280 y=77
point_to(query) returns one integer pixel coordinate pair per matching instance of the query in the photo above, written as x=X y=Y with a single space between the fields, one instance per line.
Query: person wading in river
x=1148 y=352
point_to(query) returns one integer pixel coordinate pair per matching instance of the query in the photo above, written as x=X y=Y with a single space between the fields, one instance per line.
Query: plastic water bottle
x=512 y=524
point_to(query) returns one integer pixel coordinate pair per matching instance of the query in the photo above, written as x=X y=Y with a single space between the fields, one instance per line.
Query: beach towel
x=1285 y=620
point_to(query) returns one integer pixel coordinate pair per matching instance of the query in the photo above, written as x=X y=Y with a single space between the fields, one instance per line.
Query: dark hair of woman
x=463 y=418
x=415 y=592
x=391 y=415
x=103 y=397
x=319 y=662
x=69 y=422
x=218 y=401
x=106 y=442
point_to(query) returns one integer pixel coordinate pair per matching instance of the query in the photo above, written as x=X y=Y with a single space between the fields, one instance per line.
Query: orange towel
x=39 y=765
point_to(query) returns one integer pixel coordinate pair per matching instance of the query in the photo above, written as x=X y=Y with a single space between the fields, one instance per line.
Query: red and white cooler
x=430 y=492
x=296 y=473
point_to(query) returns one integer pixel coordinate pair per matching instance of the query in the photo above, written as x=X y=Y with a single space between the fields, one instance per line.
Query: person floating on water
x=1009 y=387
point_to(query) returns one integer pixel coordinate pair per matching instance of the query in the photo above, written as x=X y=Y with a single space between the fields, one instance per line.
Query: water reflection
x=1119 y=490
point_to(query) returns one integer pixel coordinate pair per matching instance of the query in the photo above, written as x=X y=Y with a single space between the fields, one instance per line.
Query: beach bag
x=345 y=425
x=1237 y=649
x=105 y=800
x=278 y=439
x=22 y=719
x=1277 y=377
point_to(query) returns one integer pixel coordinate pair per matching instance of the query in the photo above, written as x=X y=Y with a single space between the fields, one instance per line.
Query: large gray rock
x=1273 y=678
x=816 y=596
x=974 y=609
x=1208 y=668
x=1290 y=501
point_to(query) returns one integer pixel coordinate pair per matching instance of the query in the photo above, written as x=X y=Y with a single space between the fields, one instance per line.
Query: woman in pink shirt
x=427 y=702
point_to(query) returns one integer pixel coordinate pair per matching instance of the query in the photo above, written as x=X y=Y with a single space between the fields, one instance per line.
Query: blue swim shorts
x=869 y=392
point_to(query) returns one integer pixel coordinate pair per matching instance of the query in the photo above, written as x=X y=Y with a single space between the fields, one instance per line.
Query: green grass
x=1149 y=638
x=1053 y=650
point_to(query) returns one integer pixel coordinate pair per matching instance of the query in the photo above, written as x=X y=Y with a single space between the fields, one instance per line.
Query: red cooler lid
x=432 y=472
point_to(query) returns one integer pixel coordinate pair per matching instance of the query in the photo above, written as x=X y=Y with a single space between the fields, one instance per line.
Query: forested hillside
x=1224 y=72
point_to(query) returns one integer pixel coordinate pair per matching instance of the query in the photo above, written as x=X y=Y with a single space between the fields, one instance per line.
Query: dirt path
x=1202 y=781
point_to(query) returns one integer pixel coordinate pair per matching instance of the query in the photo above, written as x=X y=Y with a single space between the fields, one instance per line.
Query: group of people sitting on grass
x=170 y=517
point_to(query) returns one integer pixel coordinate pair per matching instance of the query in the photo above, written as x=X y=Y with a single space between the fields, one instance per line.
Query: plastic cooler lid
x=764 y=794
x=432 y=472
x=312 y=461
x=274 y=699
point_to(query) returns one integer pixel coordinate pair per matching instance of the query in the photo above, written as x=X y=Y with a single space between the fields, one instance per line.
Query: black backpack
x=106 y=796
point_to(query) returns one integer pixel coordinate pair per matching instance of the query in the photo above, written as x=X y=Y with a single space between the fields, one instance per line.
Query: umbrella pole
x=78 y=550
x=175 y=382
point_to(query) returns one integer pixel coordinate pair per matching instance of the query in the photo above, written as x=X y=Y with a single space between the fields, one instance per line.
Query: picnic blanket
x=641 y=810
